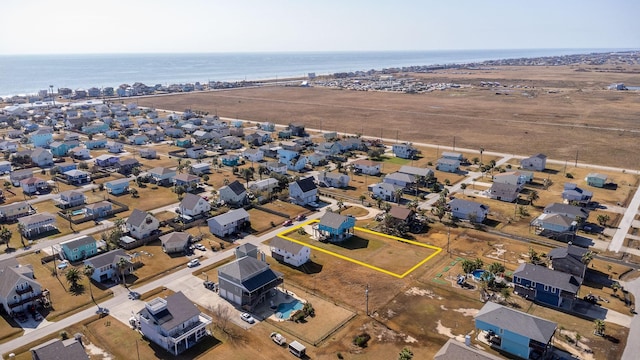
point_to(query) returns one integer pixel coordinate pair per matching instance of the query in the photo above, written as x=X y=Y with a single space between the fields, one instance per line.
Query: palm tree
x=463 y=187
x=615 y=286
x=88 y=272
x=398 y=195
x=73 y=276
x=5 y=236
x=122 y=265
x=340 y=205
x=21 y=230
x=262 y=170
x=439 y=211
x=362 y=197
x=600 y=327
x=603 y=219
x=587 y=257
x=247 y=174
x=533 y=196
x=496 y=268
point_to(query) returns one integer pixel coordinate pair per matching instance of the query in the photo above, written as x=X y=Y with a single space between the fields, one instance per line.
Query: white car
x=201 y=247
x=193 y=263
x=248 y=318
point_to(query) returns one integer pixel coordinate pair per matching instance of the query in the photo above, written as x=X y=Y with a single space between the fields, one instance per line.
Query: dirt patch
x=442 y=330
x=467 y=312
x=414 y=291
x=97 y=353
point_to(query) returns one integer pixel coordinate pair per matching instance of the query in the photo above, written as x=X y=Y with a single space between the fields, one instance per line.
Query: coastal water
x=27 y=74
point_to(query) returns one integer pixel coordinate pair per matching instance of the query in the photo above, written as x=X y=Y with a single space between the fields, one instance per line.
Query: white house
x=384 y=191
x=336 y=180
x=106 y=265
x=194 y=205
x=404 y=151
x=400 y=179
x=253 y=155
x=289 y=252
x=200 y=168
x=141 y=224
x=114 y=147
x=228 y=223
x=234 y=193
x=79 y=153
x=516 y=178
x=303 y=191
x=175 y=242
x=277 y=167
x=37 y=223
x=267 y=185
x=537 y=162
x=19 y=290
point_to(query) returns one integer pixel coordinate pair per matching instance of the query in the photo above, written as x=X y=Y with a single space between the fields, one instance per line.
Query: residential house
x=79 y=248
x=33 y=185
x=334 y=227
x=175 y=242
x=539 y=283
x=384 y=191
x=596 y=180
x=417 y=172
x=66 y=166
x=277 y=167
x=270 y=150
x=254 y=139
x=515 y=332
x=126 y=166
x=59 y=148
x=5 y=167
x=141 y=224
x=246 y=282
x=111 y=134
x=196 y=152
x=246 y=249
x=468 y=210
x=304 y=191
x=77 y=177
x=537 y=162
x=174 y=133
x=401 y=214
x=405 y=181
x=404 y=151
x=9 y=146
x=19 y=291
x=337 y=180
x=106 y=266
x=297 y=129
x=95 y=127
x=190 y=182
x=114 y=147
x=41 y=138
x=229 y=159
x=155 y=135
x=264 y=185
x=517 y=178
x=230 y=142
x=569 y=260
x=328 y=148
x=37 y=223
x=79 y=153
x=194 y=205
x=117 y=187
x=289 y=252
x=139 y=139
x=42 y=157
x=572 y=193
x=455 y=350
x=570 y=211
x=557 y=223
x=15 y=210
x=147 y=153
x=316 y=159
x=291 y=146
x=200 y=168
x=75 y=123
x=173 y=323
x=452 y=155
x=202 y=137
x=106 y=160
x=16 y=134
x=228 y=223
x=448 y=165
x=161 y=175
x=367 y=167
x=99 y=209
x=71 y=198
x=233 y=194
x=69 y=349
x=349 y=144
x=267 y=126
x=503 y=192
x=253 y=155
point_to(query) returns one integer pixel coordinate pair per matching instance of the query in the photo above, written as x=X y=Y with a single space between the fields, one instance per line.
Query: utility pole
x=448 y=240
x=366 y=297
x=576 y=158
x=454 y=143
x=481 y=151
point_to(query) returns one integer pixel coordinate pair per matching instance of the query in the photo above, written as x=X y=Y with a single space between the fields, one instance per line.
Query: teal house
x=596 y=180
x=58 y=148
x=183 y=142
x=79 y=248
x=229 y=160
x=117 y=187
x=96 y=144
x=334 y=227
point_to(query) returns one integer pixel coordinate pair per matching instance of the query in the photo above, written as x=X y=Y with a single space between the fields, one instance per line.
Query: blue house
x=77 y=177
x=448 y=165
x=557 y=223
x=229 y=159
x=117 y=187
x=107 y=160
x=547 y=286
x=99 y=209
x=79 y=248
x=96 y=143
x=58 y=148
x=112 y=134
x=41 y=138
x=468 y=210
x=334 y=227
x=67 y=166
x=515 y=332
x=95 y=127
x=183 y=142
x=595 y=179
x=138 y=139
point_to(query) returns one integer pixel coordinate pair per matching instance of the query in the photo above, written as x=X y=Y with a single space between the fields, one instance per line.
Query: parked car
x=278 y=338
x=193 y=263
x=287 y=223
x=134 y=295
x=301 y=217
x=209 y=284
x=200 y=247
x=248 y=318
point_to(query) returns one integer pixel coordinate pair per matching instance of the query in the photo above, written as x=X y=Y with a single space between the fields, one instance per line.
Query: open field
x=564 y=111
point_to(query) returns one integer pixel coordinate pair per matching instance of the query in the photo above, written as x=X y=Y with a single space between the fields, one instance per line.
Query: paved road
x=623 y=228
x=632 y=349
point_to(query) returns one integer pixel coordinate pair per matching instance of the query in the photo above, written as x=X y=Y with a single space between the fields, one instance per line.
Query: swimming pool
x=477 y=274
x=285 y=309
x=77 y=212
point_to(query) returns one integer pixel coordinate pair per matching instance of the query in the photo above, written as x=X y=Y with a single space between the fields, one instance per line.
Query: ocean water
x=27 y=74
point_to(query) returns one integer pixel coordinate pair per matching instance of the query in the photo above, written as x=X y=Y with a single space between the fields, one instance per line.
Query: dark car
x=209 y=285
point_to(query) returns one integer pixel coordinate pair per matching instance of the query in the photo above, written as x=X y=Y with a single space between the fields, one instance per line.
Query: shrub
x=64 y=335
x=340 y=356
x=362 y=340
x=569 y=175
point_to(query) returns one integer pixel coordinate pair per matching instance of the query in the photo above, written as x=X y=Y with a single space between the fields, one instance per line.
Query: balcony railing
x=24 y=291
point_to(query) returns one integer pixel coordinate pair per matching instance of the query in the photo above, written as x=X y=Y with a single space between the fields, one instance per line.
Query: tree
x=599 y=326
x=88 y=272
x=534 y=258
x=122 y=266
x=405 y=354
x=133 y=192
x=5 y=236
x=205 y=178
x=21 y=230
x=587 y=257
x=135 y=171
x=603 y=219
x=439 y=211
x=398 y=195
x=496 y=268
x=247 y=174
x=82 y=165
x=463 y=186
x=73 y=276
x=615 y=286
x=362 y=197
x=340 y=205
x=263 y=170
x=533 y=196
x=468 y=266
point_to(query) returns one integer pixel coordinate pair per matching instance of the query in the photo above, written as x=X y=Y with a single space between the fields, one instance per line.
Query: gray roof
x=503 y=189
x=237 y=187
x=416 y=171
x=175 y=237
x=186 y=177
x=569 y=251
x=179 y=310
x=244 y=268
x=332 y=220
x=35 y=218
x=540 y=156
x=529 y=326
x=597 y=176
x=546 y=276
x=455 y=350
x=98 y=205
x=407 y=178
x=189 y=201
x=137 y=217
x=231 y=216
x=107 y=258
x=566 y=209
x=13 y=206
x=161 y=171
x=118 y=181
x=467 y=205
x=448 y=161
x=79 y=241
x=56 y=349
x=10 y=276
x=288 y=246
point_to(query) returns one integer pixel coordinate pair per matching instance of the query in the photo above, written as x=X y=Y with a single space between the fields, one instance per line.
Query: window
x=517 y=280
x=546 y=288
x=533 y=284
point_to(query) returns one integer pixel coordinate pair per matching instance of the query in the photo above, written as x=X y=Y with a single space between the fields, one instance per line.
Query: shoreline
x=555 y=60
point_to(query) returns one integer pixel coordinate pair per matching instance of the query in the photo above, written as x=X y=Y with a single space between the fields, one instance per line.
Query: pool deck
x=282 y=296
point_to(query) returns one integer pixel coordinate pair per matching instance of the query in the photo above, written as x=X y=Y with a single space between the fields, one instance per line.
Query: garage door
x=236 y=299
x=223 y=293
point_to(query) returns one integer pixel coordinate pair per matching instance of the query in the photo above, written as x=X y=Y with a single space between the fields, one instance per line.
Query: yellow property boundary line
x=399 y=276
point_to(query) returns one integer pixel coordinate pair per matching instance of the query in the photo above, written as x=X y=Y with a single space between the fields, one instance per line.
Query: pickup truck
x=278 y=338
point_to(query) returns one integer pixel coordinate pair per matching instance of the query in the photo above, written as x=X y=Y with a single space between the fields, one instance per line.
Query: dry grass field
x=562 y=111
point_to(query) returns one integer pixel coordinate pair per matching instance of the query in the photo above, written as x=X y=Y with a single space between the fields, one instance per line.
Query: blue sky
x=152 y=26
